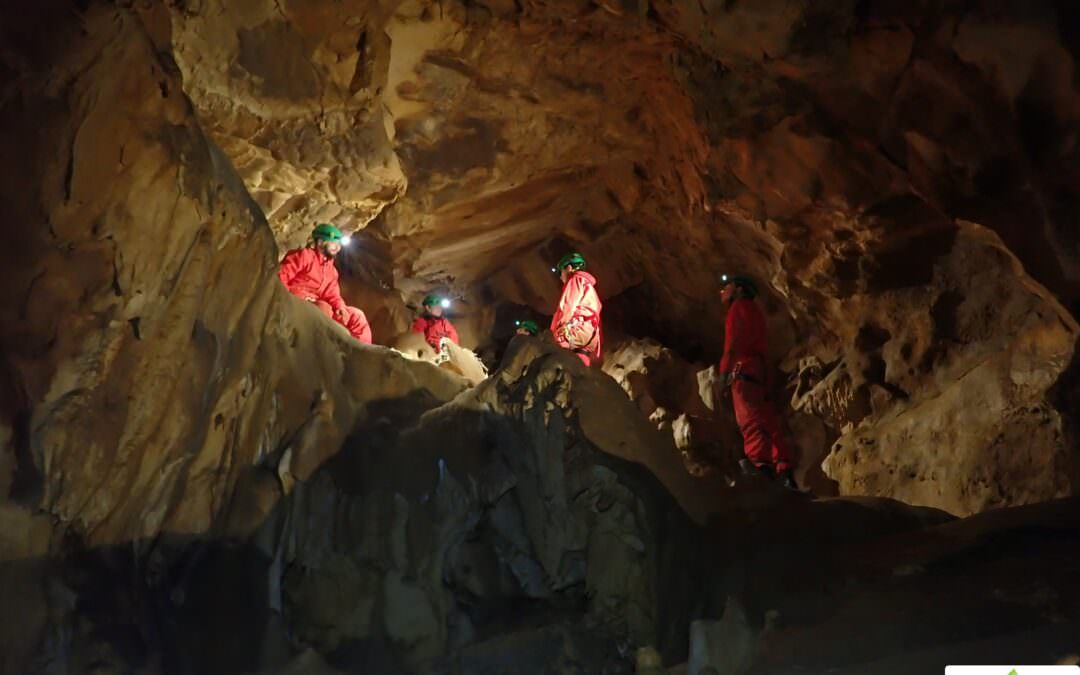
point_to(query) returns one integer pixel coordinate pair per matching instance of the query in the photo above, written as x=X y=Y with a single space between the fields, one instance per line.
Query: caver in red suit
x=744 y=366
x=434 y=329
x=309 y=274
x=576 y=324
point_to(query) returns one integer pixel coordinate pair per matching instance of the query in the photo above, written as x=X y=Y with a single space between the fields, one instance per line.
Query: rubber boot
x=748 y=468
x=787 y=479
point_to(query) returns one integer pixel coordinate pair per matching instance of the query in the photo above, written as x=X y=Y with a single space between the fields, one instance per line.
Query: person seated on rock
x=745 y=378
x=526 y=327
x=433 y=324
x=309 y=274
x=576 y=324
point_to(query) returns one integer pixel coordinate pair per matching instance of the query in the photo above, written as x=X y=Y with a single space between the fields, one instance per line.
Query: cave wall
x=151 y=356
x=291 y=92
x=533 y=127
x=160 y=388
x=949 y=405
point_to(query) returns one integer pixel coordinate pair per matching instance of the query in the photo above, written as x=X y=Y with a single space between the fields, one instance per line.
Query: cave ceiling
x=829 y=149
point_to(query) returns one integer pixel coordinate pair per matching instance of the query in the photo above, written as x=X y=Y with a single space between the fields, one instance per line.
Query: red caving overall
x=312 y=276
x=745 y=348
x=434 y=329
x=576 y=324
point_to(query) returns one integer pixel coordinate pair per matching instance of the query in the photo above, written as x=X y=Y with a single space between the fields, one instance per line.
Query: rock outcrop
x=151 y=356
x=505 y=510
x=948 y=404
x=291 y=92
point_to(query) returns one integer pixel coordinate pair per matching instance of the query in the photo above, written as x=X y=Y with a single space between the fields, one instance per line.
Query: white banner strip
x=1012 y=670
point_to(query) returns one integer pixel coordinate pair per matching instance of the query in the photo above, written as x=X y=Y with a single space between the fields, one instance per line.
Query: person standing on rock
x=309 y=274
x=576 y=324
x=434 y=325
x=745 y=377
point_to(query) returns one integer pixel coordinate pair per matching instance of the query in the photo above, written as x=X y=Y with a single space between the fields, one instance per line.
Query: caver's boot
x=787 y=479
x=750 y=469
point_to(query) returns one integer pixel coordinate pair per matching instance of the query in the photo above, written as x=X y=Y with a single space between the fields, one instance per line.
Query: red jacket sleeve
x=452 y=332
x=732 y=340
x=419 y=325
x=290 y=266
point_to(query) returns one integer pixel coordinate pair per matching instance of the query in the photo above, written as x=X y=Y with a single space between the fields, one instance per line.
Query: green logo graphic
x=1012 y=672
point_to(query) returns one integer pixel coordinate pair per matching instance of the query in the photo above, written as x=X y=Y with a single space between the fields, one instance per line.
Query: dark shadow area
x=219 y=604
x=1065 y=397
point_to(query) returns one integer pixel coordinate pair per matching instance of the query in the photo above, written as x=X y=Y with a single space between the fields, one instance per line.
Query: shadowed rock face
x=201 y=474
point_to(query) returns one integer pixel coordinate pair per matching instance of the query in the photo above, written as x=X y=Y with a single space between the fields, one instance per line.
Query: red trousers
x=763 y=437
x=355 y=321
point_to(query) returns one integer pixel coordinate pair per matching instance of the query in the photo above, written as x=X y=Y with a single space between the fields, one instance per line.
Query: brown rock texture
x=152 y=358
x=945 y=403
x=290 y=92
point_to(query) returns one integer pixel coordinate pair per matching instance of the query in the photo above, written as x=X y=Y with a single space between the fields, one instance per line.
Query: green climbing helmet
x=326 y=232
x=740 y=281
x=431 y=299
x=574 y=260
x=528 y=325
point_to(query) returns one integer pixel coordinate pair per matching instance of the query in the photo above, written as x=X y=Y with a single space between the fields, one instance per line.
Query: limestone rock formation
x=149 y=367
x=947 y=405
x=681 y=399
x=290 y=92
